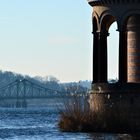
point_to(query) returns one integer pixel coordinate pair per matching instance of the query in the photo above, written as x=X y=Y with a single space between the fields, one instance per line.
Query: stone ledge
x=112 y=88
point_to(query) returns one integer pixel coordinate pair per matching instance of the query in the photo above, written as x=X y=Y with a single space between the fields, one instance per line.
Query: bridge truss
x=21 y=90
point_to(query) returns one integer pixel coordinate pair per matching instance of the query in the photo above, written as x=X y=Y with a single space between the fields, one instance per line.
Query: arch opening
x=106 y=22
x=113 y=53
x=109 y=25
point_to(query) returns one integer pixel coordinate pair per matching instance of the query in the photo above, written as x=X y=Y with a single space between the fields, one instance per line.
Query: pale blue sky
x=46 y=37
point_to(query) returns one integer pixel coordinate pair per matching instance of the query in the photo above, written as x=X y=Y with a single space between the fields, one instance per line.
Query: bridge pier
x=21 y=104
x=24 y=103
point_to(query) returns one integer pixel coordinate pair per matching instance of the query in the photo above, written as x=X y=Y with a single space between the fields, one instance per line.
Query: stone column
x=122 y=57
x=102 y=57
x=95 y=58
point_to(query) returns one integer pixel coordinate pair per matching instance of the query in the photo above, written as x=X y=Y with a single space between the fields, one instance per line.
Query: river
x=40 y=123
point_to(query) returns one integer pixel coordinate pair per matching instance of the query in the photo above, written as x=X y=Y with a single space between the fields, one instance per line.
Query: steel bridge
x=22 y=89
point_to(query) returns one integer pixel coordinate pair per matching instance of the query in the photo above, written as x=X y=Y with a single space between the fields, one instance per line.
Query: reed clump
x=76 y=116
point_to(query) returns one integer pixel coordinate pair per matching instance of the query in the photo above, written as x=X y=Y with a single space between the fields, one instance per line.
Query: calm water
x=40 y=123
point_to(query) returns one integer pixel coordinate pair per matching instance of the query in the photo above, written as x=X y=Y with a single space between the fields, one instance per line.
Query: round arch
x=106 y=21
x=124 y=18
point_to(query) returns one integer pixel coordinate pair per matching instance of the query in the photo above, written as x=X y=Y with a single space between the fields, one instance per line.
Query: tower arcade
x=126 y=13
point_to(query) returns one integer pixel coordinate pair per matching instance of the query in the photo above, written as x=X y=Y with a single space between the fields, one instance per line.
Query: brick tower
x=124 y=94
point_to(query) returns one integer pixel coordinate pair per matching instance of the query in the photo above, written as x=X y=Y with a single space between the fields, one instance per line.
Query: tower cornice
x=109 y=2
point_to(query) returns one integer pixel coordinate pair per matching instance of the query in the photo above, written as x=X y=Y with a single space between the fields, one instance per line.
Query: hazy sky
x=46 y=37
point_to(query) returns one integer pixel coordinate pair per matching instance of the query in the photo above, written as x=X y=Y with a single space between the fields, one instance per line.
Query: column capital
x=104 y=33
x=95 y=33
x=122 y=30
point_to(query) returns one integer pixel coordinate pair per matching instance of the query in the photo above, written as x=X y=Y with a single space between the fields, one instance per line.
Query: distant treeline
x=49 y=82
